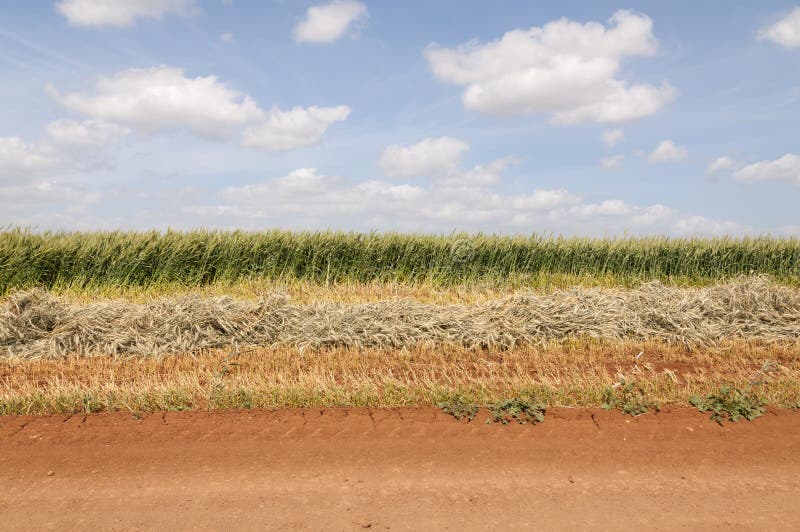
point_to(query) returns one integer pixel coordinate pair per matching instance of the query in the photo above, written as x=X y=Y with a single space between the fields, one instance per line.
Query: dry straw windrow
x=37 y=324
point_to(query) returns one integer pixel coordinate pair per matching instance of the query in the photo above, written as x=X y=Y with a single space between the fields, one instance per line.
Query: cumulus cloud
x=429 y=157
x=226 y=37
x=67 y=145
x=308 y=199
x=612 y=137
x=564 y=68
x=323 y=199
x=327 y=23
x=20 y=160
x=612 y=161
x=88 y=133
x=38 y=179
x=633 y=217
x=439 y=159
x=450 y=198
x=700 y=225
x=721 y=164
x=667 y=151
x=164 y=98
x=118 y=13
x=786 y=168
x=47 y=191
x=52 y=204
x=296 y=128
x=478 y=176
x=785 y=32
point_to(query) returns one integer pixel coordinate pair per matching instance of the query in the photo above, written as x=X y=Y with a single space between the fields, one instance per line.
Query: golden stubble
x=563 y=374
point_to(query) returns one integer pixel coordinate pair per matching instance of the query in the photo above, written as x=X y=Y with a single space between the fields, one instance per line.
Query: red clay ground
x=399 y=469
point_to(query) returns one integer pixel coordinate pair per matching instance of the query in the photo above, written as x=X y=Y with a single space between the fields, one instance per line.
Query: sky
x=574 y=118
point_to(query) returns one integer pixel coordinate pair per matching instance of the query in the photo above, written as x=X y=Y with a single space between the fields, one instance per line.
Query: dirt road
x=398 y=469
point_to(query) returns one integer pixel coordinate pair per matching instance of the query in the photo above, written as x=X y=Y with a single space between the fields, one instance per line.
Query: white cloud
x=720 y=164
x=700 y=225
x=451 y=198
x=785 y=32
x=227 y=37
x=326 y=200
x=438 y=159
x=53 y=205
x=296 y=128
x=48 y=191
x=30 y=182
x=307 y=199
x=633 y=216
x=67 y=146
x=667 y=151
x=327 y=23
x=564 y=68
x=20 y=161
x=118 y=12
x=787 y=230
x=163 y=98
x=427 y=158
x=786 y=168
x=479 y=176
x=88 y=133
x=612 y=161
x=612 y=137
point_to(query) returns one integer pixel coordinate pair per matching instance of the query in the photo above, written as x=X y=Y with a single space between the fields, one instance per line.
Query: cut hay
x=36 y=324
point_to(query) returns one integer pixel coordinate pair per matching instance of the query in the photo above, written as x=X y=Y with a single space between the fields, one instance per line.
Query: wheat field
x=200 y=258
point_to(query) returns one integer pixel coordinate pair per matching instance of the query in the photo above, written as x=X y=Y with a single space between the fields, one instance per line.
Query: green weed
x=730 y=403
x=520 y=410
x=628 y=397
x=459 y=408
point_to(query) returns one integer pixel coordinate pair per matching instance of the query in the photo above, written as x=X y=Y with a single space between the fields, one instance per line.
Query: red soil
x=400 y=469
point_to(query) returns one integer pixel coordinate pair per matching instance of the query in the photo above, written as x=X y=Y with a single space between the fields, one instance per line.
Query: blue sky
x=517 y=117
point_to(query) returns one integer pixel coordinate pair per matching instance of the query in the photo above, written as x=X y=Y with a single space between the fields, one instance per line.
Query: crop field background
x=198 y=258
x=180 y=320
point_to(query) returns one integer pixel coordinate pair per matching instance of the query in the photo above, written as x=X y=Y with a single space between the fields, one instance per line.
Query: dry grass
x=37 y=324
x=304 y=291
x=563 y=374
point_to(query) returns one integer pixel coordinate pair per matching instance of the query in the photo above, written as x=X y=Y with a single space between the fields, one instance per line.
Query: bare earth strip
x=399 y=469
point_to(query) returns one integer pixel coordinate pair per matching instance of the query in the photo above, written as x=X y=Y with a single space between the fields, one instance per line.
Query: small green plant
x=217 y=390
x=520 y=410
x=628 y=397
x=730 y=402
x=91 y=403
x=459 y=408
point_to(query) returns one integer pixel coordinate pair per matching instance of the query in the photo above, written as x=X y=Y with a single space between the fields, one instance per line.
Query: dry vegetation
x=564 y=374
x=36 y=324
